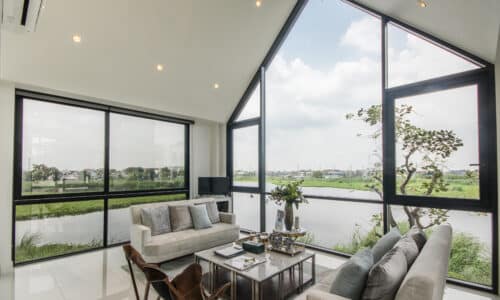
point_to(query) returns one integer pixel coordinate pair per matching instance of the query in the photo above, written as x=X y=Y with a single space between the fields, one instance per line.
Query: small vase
x=289 y=216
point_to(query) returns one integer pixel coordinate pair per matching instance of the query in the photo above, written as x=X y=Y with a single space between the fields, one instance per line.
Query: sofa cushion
x=385 y=243
x=351 y=276
x=426 y=279
x=386 y=276
x=180 y=218
x=158 y=219
x=185 y=242
x=213 y=212
x=199 y=215
x=418 y=235
x=409 y=248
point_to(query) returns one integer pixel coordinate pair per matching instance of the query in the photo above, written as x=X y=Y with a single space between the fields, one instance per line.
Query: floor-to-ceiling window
x=79 y=166
x=384 y=126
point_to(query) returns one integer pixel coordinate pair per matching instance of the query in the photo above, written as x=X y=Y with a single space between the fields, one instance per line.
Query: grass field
x=458 y=187
x=115 y=185
x=40 y=211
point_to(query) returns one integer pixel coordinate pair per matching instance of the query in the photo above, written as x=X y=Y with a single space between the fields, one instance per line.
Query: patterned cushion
x=385 y=244
x=213 y=212
x=156 y=218
x=180 y=218
x=409 y=248
x=199 y=215
x=418 y=235
x=351 y=276
x=386 y=276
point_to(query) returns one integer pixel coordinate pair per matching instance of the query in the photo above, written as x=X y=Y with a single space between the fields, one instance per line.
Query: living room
x=249 y=149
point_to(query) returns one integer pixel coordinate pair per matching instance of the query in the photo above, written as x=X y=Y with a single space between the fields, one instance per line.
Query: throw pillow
x=386 y=276
x=180 y=218
x=418 y=235
x=156 y=218
x=213 y=212
x=351 y=276
x=200 y=217
x=385 y=243
x=409 y=248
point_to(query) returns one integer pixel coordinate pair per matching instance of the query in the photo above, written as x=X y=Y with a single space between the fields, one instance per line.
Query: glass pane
x=317 y=125
x=45 y=230
x=413 y=59
x=252 y=108
x=246 y=156
x=145 y=154
x=63 y=149
x=119 y=214
x=471 y=252
x=246 y=207
x=437 y=149
x=355 y=225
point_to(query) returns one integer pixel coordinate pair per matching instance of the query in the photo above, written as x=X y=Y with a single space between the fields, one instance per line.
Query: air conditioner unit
x=22 y=14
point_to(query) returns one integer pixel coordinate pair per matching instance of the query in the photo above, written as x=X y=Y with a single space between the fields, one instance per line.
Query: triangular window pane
x=252 y=108
x=412 y=59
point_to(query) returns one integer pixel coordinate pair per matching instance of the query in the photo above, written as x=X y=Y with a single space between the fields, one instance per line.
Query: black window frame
x=18 y=199
x=484 y=77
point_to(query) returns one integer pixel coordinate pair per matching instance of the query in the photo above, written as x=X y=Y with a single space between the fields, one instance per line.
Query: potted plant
x=289 y=193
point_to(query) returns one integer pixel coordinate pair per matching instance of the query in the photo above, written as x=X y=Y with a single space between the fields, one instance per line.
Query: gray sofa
x=425 y=279
x=167 y=246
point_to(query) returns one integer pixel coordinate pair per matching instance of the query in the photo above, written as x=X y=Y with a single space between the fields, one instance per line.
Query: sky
x=329 y=66
x=72 y=138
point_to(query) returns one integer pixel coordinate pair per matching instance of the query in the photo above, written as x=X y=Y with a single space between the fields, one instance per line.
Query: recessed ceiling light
x=216 y=85
x=159 y=67
x=422 y=3
x=77 y=38
x=258 y=3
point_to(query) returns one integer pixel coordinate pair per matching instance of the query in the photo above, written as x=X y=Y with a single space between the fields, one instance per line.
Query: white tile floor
x=100 y=275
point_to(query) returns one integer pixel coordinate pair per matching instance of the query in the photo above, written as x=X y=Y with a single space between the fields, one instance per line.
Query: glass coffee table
x=280 y=276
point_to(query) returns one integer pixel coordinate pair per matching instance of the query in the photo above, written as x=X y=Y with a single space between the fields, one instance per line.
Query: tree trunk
x=288 y=216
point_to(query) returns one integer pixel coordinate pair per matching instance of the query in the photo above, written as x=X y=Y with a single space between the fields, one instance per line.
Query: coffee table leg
x=313 y=267
x=234 y=284
x=255 y=290
x=280 y=285
x=301 y=276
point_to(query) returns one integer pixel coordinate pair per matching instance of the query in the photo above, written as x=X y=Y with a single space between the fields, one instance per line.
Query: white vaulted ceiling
x=471 y=25
x=199 y=42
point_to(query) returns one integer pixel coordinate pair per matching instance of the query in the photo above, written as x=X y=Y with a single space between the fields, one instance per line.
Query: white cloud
x=306 y=106
x=363 y=35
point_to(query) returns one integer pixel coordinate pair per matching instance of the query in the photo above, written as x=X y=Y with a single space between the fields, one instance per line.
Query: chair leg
x=133 y=280
x=146 y=292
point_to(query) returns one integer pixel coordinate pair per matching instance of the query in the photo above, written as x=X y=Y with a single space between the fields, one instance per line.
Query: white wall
x=6 y=170
x=205 y=160
x=497 y=79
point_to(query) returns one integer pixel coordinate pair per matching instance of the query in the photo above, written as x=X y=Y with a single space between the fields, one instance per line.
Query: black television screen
x=213 y=185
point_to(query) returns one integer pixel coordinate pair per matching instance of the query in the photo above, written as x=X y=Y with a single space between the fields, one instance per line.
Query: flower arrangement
x=291 y=194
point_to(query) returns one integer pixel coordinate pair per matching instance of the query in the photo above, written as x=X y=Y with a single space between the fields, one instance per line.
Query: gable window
x=384 y=124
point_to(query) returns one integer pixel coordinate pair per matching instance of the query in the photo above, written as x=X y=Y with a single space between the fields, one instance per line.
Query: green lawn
x=28 y=250
x=458 y=187
x=40 y=211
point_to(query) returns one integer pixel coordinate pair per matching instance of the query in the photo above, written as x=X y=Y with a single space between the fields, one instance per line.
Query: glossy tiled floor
x=100 y=275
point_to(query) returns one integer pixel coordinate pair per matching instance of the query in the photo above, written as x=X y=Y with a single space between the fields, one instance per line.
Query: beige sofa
x=160 y=248
x=425 y=279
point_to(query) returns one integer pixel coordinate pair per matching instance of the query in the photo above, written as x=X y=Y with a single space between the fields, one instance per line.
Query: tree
x=39 y=173
x=55 y=174
x=431 y=147
x=317 y=174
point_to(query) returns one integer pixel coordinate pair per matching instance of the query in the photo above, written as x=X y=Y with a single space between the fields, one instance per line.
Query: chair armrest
x=139 y=236
x=228 y=218
x=320 y=295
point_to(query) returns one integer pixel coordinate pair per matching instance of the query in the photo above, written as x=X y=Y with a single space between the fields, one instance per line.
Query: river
x=329 y=222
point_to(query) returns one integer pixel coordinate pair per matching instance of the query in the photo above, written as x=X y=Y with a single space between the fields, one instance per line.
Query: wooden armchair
x=185 y=286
